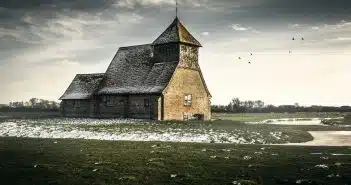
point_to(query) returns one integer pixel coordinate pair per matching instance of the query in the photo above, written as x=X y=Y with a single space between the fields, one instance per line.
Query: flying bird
x=251 y=54
x=302 y=38
x=249 y=62
x=293 y=38
x=289 y=51
x=239 y=58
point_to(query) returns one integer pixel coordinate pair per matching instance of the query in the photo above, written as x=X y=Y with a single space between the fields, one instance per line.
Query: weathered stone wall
x=70 y=110
x=166 y=52
x=132 y=106
x=186 y=80
x=189 y=57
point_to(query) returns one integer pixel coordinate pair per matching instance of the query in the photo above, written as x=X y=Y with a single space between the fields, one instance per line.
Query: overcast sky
x=43 y=44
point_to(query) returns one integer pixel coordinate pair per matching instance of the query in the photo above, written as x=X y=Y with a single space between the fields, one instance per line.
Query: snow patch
x=341 y=154
x=130 y=130
x=321 y=166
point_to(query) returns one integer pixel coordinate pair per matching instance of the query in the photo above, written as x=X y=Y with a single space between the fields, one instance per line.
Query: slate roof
x=83 y=86
x=176 y=32
x=133 y=71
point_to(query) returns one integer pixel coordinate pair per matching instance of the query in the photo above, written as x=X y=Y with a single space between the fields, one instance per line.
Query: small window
x=187 y=100
x=146 y=103
x=76 y=103
x=107 y=100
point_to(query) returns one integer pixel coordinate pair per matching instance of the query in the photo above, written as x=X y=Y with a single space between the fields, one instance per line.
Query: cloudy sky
x=43 y=44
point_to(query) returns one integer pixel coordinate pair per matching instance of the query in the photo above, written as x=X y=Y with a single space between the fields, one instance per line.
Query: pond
x=328 y=138
x=294 y=121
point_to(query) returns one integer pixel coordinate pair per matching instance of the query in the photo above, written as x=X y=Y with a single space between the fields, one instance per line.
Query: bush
x=328 y=122
x=348 y=117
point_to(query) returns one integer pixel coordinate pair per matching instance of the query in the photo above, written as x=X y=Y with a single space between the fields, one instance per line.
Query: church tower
x=186 y=95
x=177 y=44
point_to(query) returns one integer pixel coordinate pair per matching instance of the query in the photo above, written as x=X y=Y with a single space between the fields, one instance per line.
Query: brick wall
x=186 y=81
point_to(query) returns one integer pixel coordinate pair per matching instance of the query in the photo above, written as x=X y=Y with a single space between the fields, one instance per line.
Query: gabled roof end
x=176 y=33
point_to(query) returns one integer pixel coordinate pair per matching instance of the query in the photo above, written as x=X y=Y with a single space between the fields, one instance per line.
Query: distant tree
x=258 y=104
x=234 y=105
x=33 y=102
x=296 y=105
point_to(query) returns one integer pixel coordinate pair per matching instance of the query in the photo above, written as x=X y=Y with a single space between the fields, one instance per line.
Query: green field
x=63 y=161
x=26 y=161
x=264 y=116
x=218 y=131
x=226 y=116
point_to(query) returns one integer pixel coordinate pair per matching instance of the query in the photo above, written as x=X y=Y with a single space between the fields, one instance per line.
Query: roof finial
x=176 y=8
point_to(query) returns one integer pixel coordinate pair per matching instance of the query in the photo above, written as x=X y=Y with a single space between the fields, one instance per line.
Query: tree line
x=258 y=106
x=33 y=104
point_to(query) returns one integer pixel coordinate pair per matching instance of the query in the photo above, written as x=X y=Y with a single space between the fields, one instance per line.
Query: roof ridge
x=90 y=73
x=177 y=27
x=124 y=47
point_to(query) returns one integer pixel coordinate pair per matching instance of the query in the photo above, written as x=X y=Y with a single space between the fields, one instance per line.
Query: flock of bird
x=289 y=50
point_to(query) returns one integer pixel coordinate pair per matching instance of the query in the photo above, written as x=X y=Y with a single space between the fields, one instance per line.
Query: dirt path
x=328 y=138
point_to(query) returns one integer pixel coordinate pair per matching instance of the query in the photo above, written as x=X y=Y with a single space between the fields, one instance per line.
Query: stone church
x=160 y=81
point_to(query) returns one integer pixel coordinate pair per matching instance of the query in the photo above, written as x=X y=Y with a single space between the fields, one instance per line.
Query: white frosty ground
x=58 y=128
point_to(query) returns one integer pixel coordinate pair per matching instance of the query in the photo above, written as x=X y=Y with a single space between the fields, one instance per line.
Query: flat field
x=67 y=161
x=53 y=150
x=264 y=116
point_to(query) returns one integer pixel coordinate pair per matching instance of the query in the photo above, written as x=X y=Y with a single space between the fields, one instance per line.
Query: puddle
x=328 y=138
x=294 y=121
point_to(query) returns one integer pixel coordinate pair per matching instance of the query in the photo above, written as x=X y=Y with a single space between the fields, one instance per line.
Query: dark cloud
x=309 y=10
x=56 y=4
x=13 y=11
x=268 y=12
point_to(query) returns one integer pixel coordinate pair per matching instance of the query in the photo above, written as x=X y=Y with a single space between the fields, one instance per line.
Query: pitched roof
x=82 y=86
x=133 y=71
x=176 y=32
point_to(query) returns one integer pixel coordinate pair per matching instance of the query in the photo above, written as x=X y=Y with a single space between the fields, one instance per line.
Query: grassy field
x=224 y=116
x=218 y=131
x=264 y=116
x=26 y=161
x=26 y=115
x=222 y=131
x=63 y=161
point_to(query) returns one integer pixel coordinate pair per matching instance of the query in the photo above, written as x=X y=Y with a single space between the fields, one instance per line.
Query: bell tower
x=177 y=44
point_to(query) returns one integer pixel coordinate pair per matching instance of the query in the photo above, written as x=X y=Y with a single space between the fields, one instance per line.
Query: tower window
x=187 y=100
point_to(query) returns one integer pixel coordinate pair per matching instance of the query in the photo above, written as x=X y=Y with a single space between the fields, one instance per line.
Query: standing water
x=294 y=121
